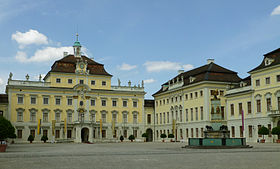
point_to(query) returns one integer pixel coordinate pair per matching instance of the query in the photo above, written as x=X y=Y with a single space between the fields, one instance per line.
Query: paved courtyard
x=137 y=155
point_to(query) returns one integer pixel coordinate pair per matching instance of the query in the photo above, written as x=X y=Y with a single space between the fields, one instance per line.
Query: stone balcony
x=28 y=83
x=273 y=113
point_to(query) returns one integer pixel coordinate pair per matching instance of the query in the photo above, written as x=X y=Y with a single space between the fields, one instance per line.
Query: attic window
x=192 y=79
x=268 y=61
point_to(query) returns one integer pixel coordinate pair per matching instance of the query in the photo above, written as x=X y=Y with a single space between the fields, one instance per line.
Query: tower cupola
x=77 y=47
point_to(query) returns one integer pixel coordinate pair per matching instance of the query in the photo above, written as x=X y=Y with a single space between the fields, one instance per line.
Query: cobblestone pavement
x=137 y=156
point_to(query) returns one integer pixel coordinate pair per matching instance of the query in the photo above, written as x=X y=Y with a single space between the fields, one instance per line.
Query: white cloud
x=1 y=81
x=125 y=66
x=44 y=55
x=30 y=37
x=276 y=11
x=187 y=67
x=157 y=66
x=149 y=81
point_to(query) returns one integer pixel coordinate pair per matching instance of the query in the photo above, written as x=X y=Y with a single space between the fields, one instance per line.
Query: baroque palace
x=75 y=101
x=212 y=94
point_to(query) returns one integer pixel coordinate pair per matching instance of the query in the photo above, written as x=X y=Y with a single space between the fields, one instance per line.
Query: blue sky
x=137 y=39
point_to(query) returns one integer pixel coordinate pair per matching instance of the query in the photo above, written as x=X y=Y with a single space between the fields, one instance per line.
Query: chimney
x=180 y=71
x=65 y=54
x=210 y=61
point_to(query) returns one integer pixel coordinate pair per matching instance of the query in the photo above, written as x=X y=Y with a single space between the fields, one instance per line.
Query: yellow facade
x=77 y=90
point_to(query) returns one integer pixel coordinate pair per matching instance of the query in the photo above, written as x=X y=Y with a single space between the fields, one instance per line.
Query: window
x=57 y=117
x=186 y=96
x=278 y=78
x=156 y=118
x=125 y=133
x=69 y=101
x=259 y=126
x=92 y=82
x=192 y=132
x=103 y=83
x=92 y=102
x=70 y=81
x=250 y=131
x=92 y=117
x=125 y=118
x=57 y=133
x=196 y=130
x=201 y=132
x=191 y=95
x=267 y=80
x=164 y=118
x=45 y=117
x=187 y=115
x=103 y=133
x=196 y=113
x=249 y=105
x=278 y=100
x=232 y=131
x=163 y=102
x=135 y=133
x=195 y=94
x=232 y=109
x=191 y=114
x=124 y=103
x=81 y=81
x=103 y=118
x=45 y=132
x=134 y=103
x=149 y=118
x=180 y=98
x=33 y=100
x=20 y=99
x=1 y=113
x=160 y=118
x=58 y=80
x=103 y=102
x=258 y=106
x=241 y=131
x=114 y=103
x=201 y=113
x=33 y=116
x=19 y=133
x=181 y=116
x=187 y=133
x=201 y=93
x=134 y=118
x=240 y=108
x=115 y=134
x=114 y=117
x=160 y=102
x=19 y=116
x=32 y=132
x=45 y=100
x=167 y=101
x=268 y=104
x=167 y=114
x=57 y=101
x=258 y=82
x=69 y=117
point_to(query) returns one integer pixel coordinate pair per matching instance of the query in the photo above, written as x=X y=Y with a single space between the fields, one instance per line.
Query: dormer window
x=192 y=79
x=268 y=61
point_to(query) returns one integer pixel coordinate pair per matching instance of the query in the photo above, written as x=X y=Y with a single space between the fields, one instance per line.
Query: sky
x=137 y=40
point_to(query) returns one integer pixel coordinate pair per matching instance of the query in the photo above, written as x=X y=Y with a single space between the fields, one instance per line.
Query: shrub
x=163 y=135
x=121 y=138
x=7 y=130
x=170 y=135
x=131 y=137
x=145 y=135
x=30 y=138
x=44 y=138
x=263 y=131
x=276 y=131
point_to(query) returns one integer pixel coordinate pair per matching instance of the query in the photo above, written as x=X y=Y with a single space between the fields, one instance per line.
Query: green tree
x=7 y=130
x=276 y=131
x=263 y=131
x=131 y=138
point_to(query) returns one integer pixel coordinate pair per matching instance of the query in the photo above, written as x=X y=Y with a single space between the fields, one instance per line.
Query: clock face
x=82 y=66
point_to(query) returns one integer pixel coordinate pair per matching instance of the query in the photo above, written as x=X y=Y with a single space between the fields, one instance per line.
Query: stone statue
x=129 y=83
x=27 y=77
x=119 y=82
x=142 y=83
x=40 y=77
x=10 y=76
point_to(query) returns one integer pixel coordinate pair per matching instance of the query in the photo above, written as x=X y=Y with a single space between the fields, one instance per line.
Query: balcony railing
x=273 y=113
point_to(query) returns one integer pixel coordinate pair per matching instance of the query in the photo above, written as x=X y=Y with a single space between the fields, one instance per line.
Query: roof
x=149 y=103
x=208 y=72
x=272 y=55
x=68 y=65
x=3 y=98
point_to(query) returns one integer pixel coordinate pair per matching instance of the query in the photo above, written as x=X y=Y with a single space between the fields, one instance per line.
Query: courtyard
x=137 y=155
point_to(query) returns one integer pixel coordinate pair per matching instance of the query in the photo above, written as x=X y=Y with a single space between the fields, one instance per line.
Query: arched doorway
x=84 y=135
x=150 y=135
